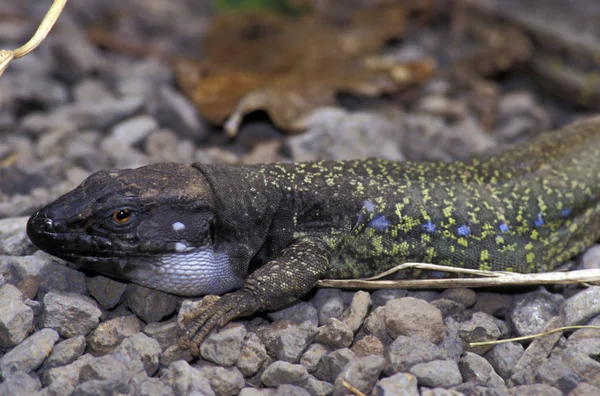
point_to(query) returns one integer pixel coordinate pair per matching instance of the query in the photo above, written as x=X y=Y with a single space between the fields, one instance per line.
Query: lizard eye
x=122 y=216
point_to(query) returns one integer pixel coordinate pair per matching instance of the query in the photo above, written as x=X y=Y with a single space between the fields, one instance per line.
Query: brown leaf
x=288 y=67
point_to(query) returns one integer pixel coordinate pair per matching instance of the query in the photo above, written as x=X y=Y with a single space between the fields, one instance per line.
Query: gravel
x=69 y=109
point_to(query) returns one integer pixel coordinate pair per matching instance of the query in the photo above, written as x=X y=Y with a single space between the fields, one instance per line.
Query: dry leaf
x=288 y=67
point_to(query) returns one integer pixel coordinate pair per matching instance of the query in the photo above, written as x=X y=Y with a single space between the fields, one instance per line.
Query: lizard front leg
x=275 y=284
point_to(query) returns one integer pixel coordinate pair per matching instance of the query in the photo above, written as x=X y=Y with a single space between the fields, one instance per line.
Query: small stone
x=587 y=346
x=174 y=111
x=329 y=304
x=20 y=383
x=65 y=352
x=70 y=314
x=354 y=316
x=91 y=90
x=293 y=341
x=331 y=365
x=530 y=312
x=583 y=366
x=13 y=238
x=335 y=333
x=62 y=380
x=223 y=346
x=494 y=304
x=590 y=259
x=398 y=384
x=414 y=317
x=291 y=390
x=148 y=304
x=477 y=370
x=298 y=313
x=166 y=333
x=444 y=373
x=29 y=286
x=152 y=387
x=108 y=292
x=102 y=388
x=582 y=306
x=266 y=391
x=279 y=373
x=313 y=354
x=55 y=276
x=375 y=325
x=318 y=388
x=361 y=372
x=583 y=389
x=465 y=297
x=269 y=334
x=556 y=373
x=406 y=352
x=452 y=343
x=382 y=296
x=481 y=327
x=252 y=356
x=107 y=367
x=503 y=357
x=536 y=353
x=223 y=380
x=535 y=390
x=16 y=318
x=368 y=345
x=108 y=335
x=29 y=354
x=142 y=348
x=425 y=295
x=452 y=309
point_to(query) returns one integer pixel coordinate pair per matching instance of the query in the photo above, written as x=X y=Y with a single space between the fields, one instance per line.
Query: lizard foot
x=215 y=312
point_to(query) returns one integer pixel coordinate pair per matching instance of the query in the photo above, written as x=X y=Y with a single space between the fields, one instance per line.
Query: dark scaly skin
x=282 y=227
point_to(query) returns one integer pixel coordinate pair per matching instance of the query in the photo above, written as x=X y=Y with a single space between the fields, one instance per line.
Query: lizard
x=263 y=235
x=558 y=40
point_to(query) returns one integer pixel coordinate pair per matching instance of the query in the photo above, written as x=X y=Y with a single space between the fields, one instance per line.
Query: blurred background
x=130 y=82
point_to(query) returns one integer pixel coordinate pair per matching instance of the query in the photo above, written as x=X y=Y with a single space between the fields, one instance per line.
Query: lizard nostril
x=46 y=225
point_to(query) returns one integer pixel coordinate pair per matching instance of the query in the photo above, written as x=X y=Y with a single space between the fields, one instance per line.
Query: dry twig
x=7 y=56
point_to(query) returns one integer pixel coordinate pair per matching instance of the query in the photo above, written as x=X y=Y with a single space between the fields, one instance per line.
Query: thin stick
x=529 y=337
x=514 y=279
x=6 y=56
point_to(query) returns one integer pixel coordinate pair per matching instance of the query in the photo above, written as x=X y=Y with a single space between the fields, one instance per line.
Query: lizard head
x=152 y=225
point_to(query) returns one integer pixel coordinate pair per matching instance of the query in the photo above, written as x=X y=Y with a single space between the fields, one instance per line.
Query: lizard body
x=272 y=231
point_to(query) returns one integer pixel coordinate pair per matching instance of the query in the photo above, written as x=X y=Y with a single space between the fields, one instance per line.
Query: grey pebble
x=443 y=373
x=166 y=333
x=107 y=367
x=465 y=297
x=65 y=352
x=16 y=318
x=331 y=365
x=556 y=373
x=312 y=356
x=13 y=239
x=253 y=355
x=382 y=296
x=298 y=313
x=143 y=348
x=406 y=352
x=173 y=354
x=293 y=341
x=102 y=388
x=223 y=380
x=291 y=390
x=530 y=312
x=477 y=370
x=279 y=373
x=107 y=291
x=582 y=306
x=414 y=317
x=269 y=334
x=584 y=389
x=335 y=333
x=425 y=295
x=70 y=314
x=62 y=380
x=264 y=391
x=29 y=354
x=397 y=384
x=148 y=304
x=20 y=383
x=318 y=388
x=535 y=390
x=503 y=357
x=495 y=304
x=108 y=335
x=361 y=372
x=356 y=313
x=481 y=327
x=224 y=345
x=329 y=304
x=452 y=342
x=152 y=387
x=375 y=325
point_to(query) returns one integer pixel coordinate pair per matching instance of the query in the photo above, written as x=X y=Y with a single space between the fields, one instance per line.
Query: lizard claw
x=215 y=312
